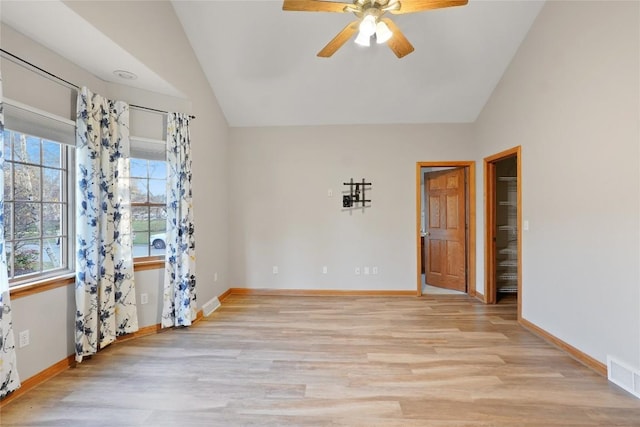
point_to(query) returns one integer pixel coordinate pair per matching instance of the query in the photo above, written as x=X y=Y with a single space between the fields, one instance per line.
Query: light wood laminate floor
x=333 y=361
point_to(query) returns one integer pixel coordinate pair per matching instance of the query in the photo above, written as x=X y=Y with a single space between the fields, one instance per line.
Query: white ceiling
x=55 y=26
x=262 y=64
x=261 y=61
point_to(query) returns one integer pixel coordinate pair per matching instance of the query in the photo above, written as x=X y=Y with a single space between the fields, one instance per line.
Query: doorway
x=503 y=243
x=445 y=227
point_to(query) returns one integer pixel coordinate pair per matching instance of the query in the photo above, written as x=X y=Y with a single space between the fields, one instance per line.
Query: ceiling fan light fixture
x=368 y=25
x=363 y=40
x=383 y=33
x=369 y=13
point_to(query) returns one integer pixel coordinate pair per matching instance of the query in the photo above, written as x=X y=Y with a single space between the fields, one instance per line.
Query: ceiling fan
x=370 y=20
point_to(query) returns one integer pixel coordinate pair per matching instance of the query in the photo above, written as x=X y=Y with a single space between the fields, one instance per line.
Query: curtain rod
x=68 y=83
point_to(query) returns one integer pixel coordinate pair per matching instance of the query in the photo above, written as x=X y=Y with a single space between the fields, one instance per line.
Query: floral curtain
x=105 y=292
x=9 y=379
x=179 y=299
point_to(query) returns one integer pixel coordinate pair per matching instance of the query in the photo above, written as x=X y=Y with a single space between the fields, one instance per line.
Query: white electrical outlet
x=329 y=193
x=144 y=298
x=357 y=271
x=366 y=271
x=23 y=337
x=325 y=270
x=374 y=270
x=215 y=277
x=275 y=269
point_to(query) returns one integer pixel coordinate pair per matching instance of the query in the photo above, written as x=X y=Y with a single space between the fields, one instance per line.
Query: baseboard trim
x=144 y=331
x=580 y=356
x=317 y=292
x=223 y=296
x=39 y=378
x=153 y=329
x=70 y=361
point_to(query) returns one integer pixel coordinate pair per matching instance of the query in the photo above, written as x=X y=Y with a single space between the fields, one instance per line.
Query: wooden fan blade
x=410 y=6
x=398 y=42
x=339 y=40
x=313 y=6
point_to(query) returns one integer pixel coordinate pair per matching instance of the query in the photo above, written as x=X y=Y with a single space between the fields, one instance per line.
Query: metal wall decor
x=356 y=194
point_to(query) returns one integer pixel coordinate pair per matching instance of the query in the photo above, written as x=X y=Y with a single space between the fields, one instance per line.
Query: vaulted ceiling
x=261 y=61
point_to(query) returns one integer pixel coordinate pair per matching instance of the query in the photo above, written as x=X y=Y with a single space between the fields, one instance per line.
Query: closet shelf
x=507 y=239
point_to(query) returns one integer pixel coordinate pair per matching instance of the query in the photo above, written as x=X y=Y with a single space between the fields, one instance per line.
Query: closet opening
x=503 y=233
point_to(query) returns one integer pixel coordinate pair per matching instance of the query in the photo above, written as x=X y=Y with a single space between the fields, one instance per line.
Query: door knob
x=427 y=233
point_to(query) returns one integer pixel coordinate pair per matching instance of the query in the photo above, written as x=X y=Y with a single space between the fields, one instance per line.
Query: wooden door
x=445 y=241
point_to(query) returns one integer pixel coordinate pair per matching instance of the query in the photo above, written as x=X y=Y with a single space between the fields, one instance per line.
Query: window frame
x=26 y=119
x=67 y=216
x=149 y=259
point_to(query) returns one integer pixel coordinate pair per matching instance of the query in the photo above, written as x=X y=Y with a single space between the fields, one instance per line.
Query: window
x=148 y=206
x=36 y=208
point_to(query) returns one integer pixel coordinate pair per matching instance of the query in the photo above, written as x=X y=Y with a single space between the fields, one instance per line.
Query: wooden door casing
x=490 y=290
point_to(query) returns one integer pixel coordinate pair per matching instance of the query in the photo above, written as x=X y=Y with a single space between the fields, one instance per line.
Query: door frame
x=470 y=202
x=490 y=219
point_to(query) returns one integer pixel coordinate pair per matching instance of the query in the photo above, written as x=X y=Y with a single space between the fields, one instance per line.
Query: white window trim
x=68 y=226
x=23 y=118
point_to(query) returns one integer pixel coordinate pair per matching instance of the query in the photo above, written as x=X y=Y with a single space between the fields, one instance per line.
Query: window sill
x=43 y=285
x=148 y=263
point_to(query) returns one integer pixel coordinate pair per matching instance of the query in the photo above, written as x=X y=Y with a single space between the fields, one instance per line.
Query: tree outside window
x=36 y=205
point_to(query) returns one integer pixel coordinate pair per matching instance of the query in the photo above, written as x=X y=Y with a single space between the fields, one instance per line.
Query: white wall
x=49 y=315
x=281 y=214
x=50 y=318
x=31 y=88
x=151 y=32
x=570 y=98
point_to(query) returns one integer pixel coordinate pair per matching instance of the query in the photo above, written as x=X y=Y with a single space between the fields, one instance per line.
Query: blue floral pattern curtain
x=179 y=299
x=9 y=379
x=105 y=292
